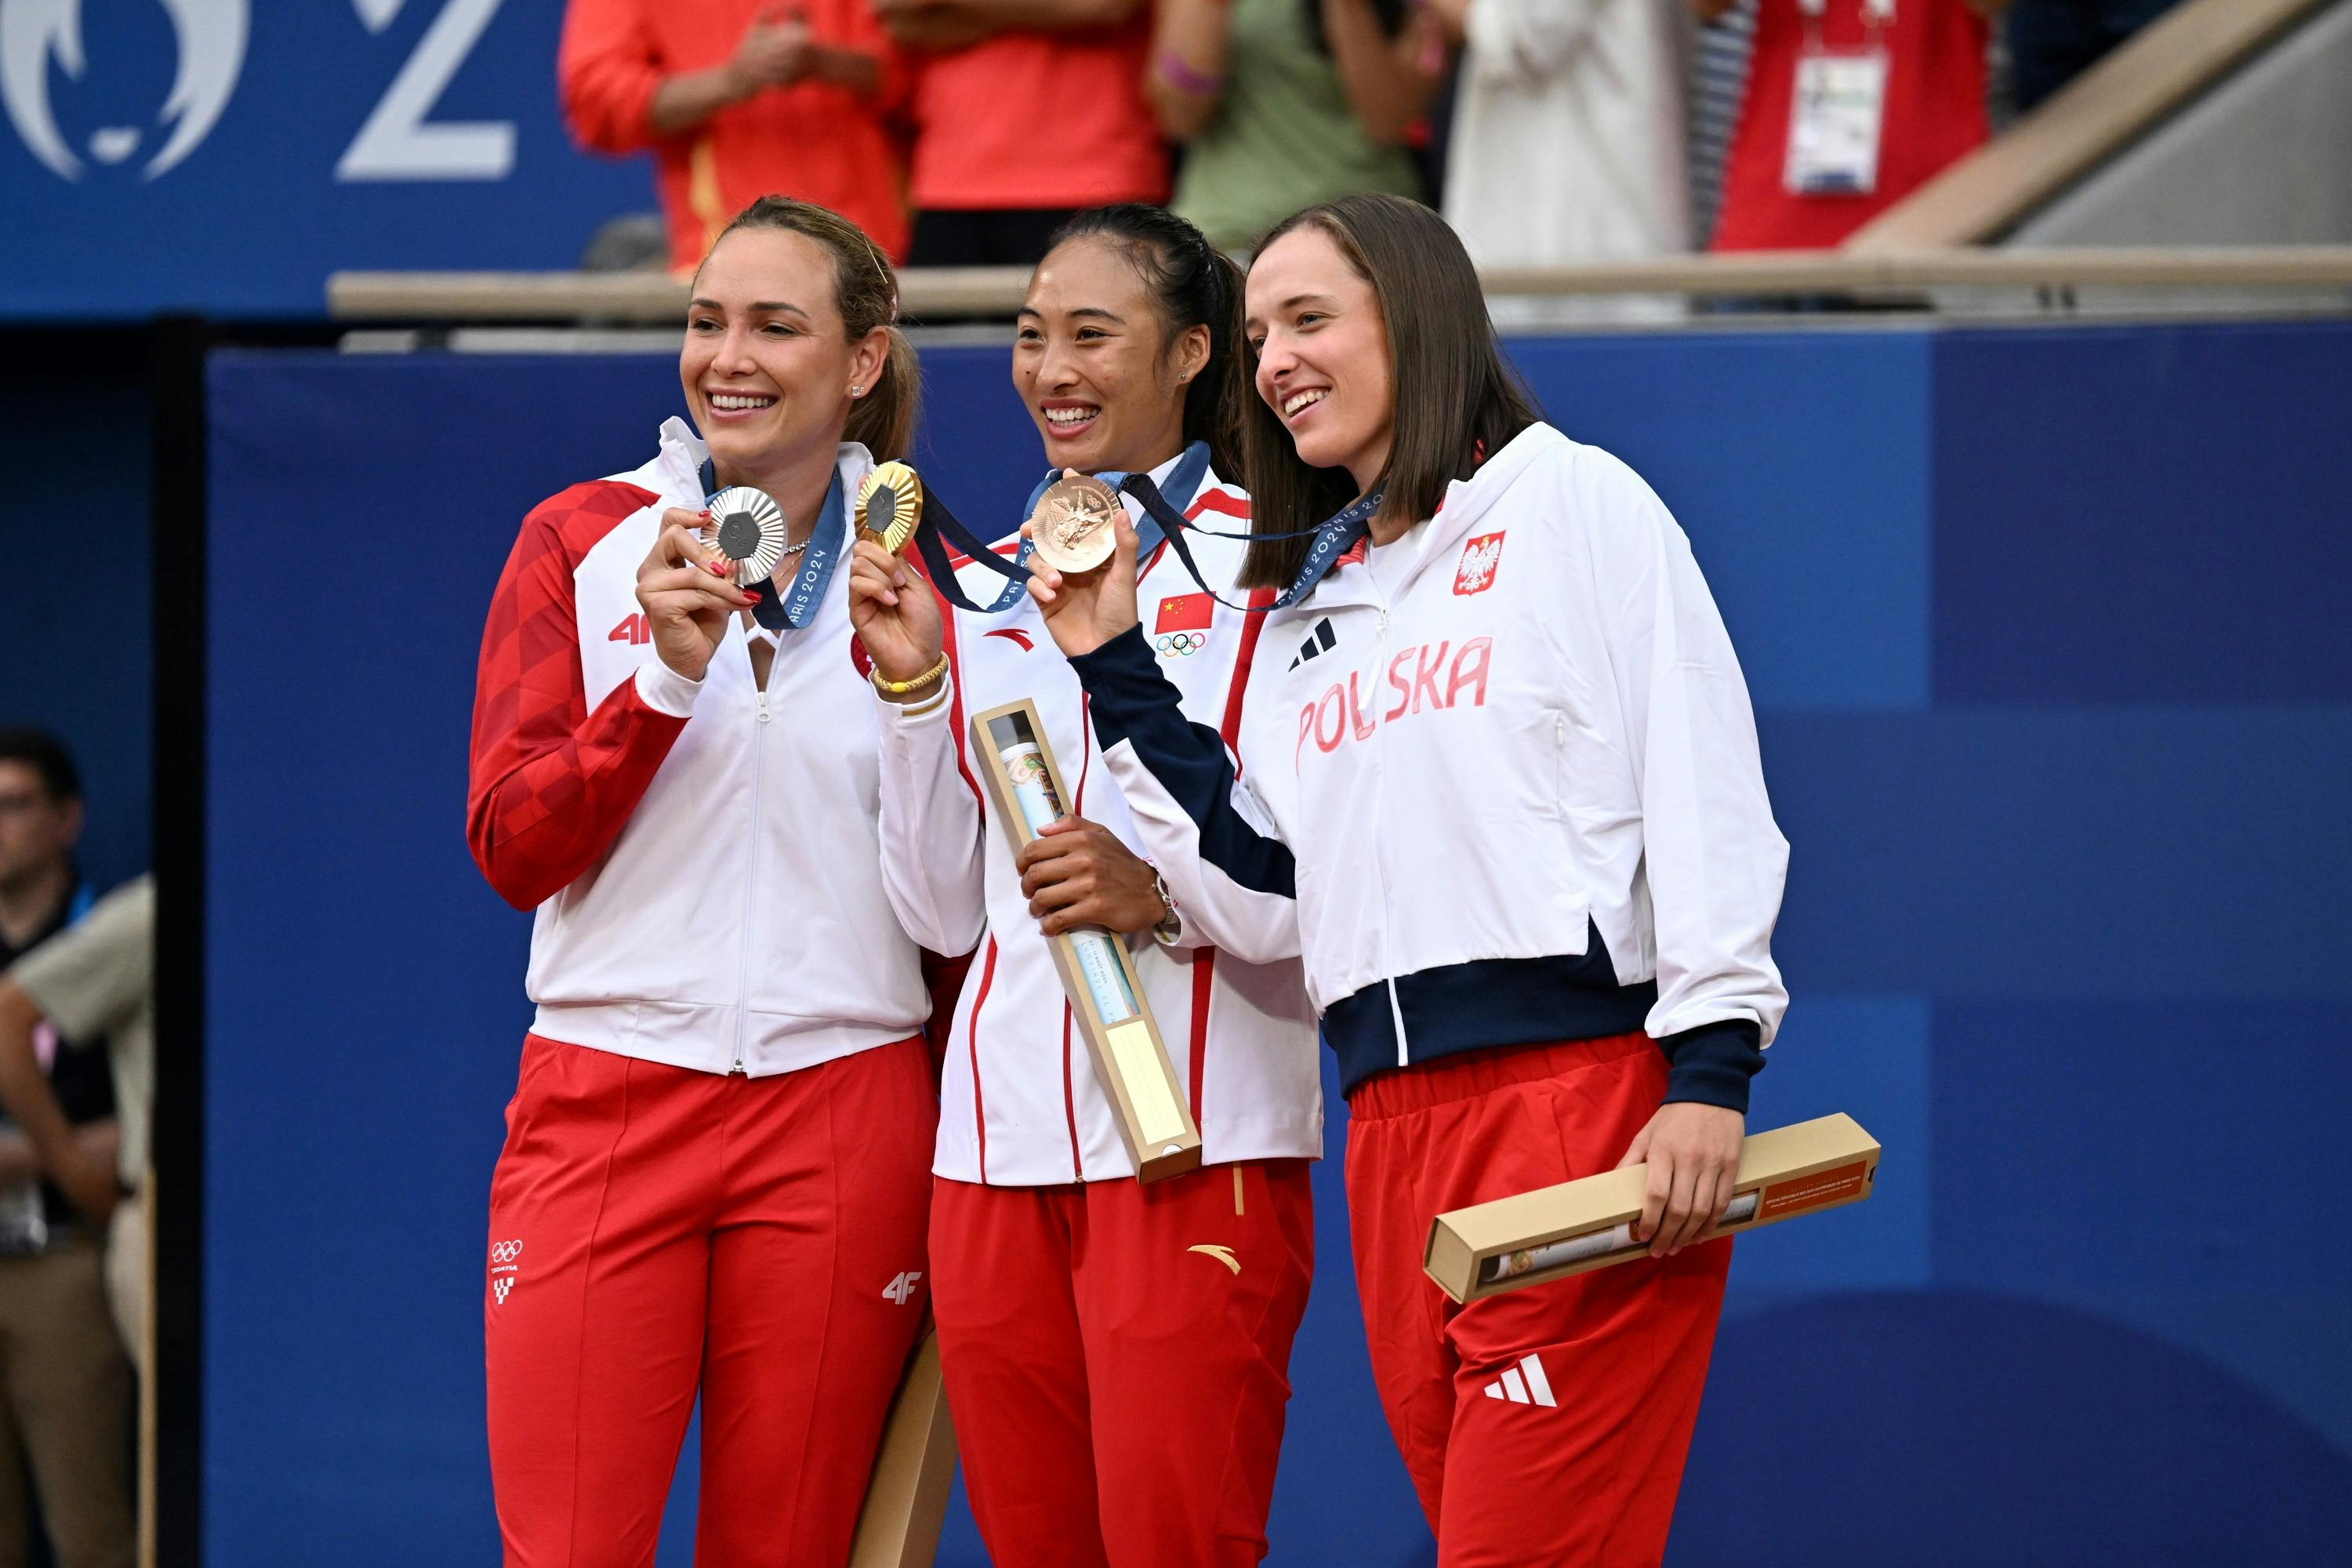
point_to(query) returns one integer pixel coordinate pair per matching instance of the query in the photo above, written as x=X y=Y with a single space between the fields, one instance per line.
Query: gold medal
x=1072 y=527
x=889 y=504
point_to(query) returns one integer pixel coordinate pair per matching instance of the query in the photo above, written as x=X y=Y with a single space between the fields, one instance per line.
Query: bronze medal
x=889 y=504
x=1072 y=527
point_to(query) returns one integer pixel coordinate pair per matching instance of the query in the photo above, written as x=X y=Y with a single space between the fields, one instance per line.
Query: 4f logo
x=637 y=630
x=1479 y=559
x=505 y=1268
x=902 y=1289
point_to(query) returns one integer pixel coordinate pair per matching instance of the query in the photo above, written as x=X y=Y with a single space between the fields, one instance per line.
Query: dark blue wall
x=75 y=643
x=2045 y=631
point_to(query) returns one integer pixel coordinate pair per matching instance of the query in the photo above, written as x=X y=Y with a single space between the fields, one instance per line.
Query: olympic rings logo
x=1180 y=644
x=505 y=1251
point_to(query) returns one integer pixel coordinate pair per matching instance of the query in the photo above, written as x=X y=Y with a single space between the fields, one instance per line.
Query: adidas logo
x=1534 y=1388
x=1320 y=643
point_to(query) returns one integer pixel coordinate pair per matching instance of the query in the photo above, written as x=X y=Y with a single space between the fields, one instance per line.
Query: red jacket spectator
x=1025 y=112
x=740 y=99
x=1935 y=114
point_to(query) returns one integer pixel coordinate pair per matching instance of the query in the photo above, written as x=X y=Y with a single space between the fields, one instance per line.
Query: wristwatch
x=1171 y=928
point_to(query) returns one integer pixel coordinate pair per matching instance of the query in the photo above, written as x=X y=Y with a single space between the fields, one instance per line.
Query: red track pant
x=1546 y=1426
x=1116 y=1358
x=656 y=1230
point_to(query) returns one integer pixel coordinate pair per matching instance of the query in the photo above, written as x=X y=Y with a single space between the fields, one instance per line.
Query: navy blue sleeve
x=1131 y=701
x=1711 y=1064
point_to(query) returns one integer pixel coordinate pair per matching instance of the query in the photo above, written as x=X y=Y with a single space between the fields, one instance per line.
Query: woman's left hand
x=1077 y=873
x=1693 y=1152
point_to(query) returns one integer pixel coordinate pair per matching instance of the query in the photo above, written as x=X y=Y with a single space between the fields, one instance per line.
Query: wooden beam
x=2098 y=114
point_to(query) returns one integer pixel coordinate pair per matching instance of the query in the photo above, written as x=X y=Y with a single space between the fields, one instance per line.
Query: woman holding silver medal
x=1116 y=1354
x=715 y=1178
x=1497 y=767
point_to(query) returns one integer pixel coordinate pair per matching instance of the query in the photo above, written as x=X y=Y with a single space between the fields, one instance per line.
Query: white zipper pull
x=763 y=705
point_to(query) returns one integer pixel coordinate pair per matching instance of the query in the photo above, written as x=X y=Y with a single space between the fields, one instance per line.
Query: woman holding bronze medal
x=1497 y=756
x=1116 y=1354
x=714 y=1179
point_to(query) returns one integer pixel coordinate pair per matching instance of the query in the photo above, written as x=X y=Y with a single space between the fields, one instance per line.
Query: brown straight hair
x=866 y=290
x=1457 y=398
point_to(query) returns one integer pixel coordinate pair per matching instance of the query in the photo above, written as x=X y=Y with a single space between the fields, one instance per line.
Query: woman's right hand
x=687 y=592
x=1086 y=611
x=896 y=615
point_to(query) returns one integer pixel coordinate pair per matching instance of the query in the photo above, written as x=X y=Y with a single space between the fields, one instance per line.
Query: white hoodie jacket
x=1498 y=783
x=1019 y=1102
x=701 y=855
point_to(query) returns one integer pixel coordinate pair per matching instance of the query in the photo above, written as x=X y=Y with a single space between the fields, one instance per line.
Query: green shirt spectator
x=1273 y=120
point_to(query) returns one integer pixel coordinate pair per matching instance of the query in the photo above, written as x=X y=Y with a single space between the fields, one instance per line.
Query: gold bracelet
x=901 y=687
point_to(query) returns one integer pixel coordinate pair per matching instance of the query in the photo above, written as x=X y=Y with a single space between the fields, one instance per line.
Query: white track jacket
x=1497 y=781
x=1019 y=1102
x=702 y=857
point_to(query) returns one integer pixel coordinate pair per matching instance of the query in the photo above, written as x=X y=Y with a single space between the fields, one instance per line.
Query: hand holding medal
x=688 y=590
x=1083 y=571
x=897 y=618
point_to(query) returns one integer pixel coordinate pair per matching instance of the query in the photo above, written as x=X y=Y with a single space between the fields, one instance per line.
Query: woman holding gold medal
x=1498 y=761
x=1116 y=1354
x=714 y=1178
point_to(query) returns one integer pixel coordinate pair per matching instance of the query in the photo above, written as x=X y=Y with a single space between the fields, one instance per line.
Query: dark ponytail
x=1194 y=284
x=866 y=290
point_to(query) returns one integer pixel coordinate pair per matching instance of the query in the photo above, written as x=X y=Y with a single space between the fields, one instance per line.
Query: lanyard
x=1333 y=538
x=797 y=605
x=1183 y=479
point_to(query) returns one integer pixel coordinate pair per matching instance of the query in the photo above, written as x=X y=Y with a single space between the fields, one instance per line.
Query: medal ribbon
x=1336 y=536
x=1184 y=480
x=797 y=605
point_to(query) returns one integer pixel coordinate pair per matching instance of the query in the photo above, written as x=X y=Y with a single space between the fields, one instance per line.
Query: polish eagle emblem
x=1479 y=559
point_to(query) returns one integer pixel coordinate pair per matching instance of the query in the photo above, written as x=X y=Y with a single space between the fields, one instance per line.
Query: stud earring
x=856 y=390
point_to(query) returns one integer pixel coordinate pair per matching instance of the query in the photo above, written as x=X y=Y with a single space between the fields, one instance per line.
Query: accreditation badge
x=1835 y=123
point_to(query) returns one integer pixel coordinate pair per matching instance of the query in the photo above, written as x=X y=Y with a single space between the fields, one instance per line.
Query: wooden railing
x=951 y=293
x=2098 y=114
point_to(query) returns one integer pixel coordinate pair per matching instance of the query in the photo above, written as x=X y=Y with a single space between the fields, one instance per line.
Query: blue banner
x=226 y=156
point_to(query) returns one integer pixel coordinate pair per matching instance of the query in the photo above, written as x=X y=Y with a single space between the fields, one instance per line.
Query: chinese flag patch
x=1184 y=612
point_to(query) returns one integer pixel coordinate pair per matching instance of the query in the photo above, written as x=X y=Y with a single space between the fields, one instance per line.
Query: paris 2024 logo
x=398 y=141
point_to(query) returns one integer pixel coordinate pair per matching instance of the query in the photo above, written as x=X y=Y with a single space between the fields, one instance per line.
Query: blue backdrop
x=2046 y=633
x=274 y=142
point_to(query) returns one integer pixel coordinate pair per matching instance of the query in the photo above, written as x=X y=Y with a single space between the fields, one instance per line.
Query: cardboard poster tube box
x=1098 y=975
x=907 y=1500
x=1554 y=1232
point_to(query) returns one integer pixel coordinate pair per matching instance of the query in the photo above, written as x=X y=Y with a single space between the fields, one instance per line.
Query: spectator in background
x=2051 y=42
x=740 y=98
x=1281 y=104
x=65 y=1380
x=1568 y=130
x=1025 y=112
x=1802 y=182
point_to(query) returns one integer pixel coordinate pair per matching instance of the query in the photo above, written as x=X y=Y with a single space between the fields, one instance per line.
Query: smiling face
x=767 y=365
x=1321 y=344
x=1092 y=360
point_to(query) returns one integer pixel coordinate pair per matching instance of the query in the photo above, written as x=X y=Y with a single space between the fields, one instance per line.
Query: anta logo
x=1223 y=1254
x=1476 y=575
x=902 y=1289
x=632 y=629
x=1427 y=676
x=1017 y=637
